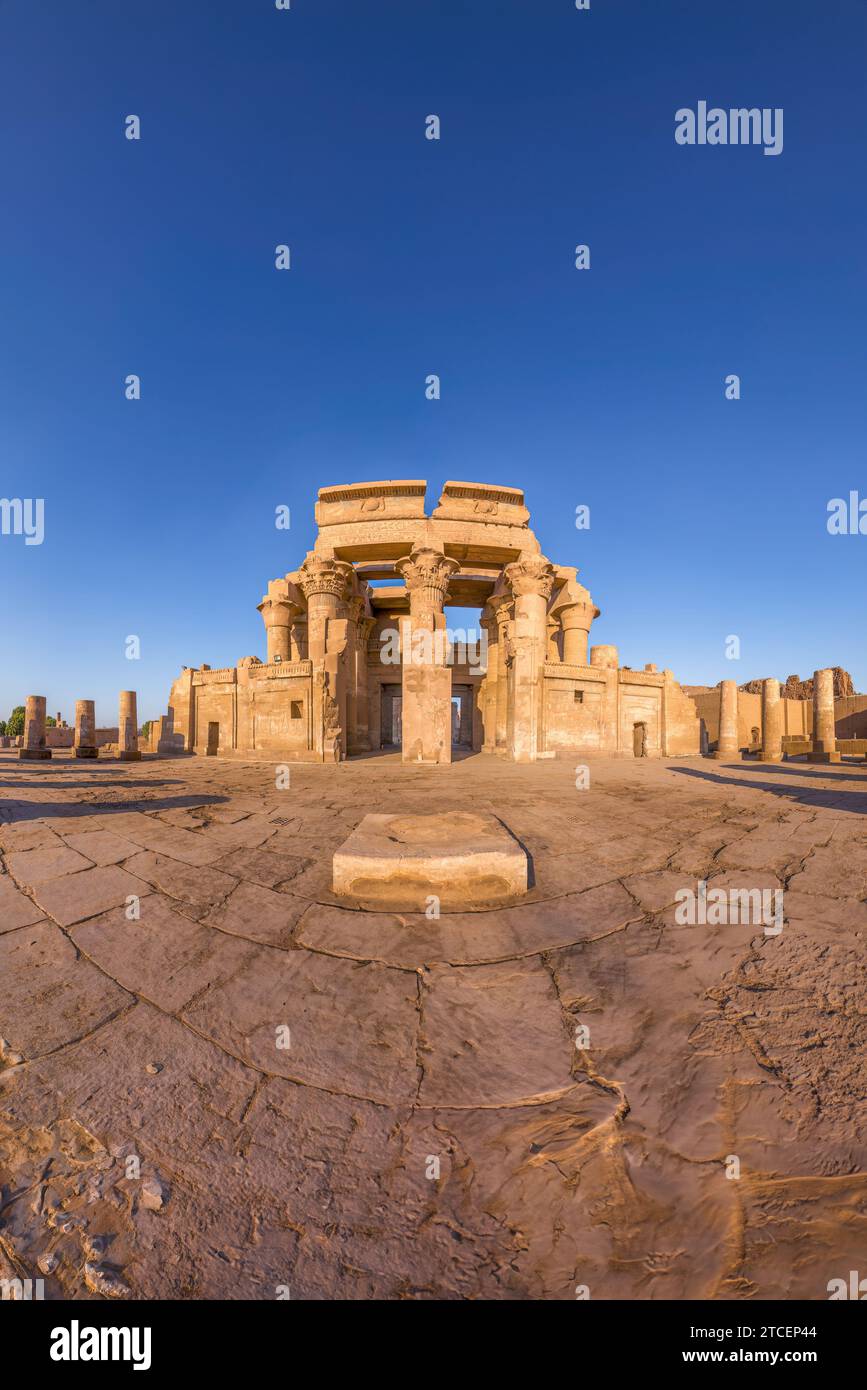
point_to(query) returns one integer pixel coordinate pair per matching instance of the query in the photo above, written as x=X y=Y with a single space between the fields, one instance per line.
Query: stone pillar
x=127 y=728
x=278 y=615
x=490 y=627
x=358 y=703
x=727 y=743
x=427 y=679
x=84 y=744
x=325 y=583
x=824 y=728
x=772 y=723
x=576 y=621
x=606 y=657
x=33 y=746
x=505 y=633
x=531 y=580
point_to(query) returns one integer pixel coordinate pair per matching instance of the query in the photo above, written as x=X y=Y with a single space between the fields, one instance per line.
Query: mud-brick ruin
x=359 y=657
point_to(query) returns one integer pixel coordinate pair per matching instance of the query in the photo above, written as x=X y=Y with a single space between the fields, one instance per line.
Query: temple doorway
x=463 y=703
x=391 y=717
x=639 y=740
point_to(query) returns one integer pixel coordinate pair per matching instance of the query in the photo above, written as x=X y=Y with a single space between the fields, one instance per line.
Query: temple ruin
x=360 y=658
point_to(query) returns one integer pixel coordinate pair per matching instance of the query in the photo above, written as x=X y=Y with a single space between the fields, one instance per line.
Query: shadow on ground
x=829 y=797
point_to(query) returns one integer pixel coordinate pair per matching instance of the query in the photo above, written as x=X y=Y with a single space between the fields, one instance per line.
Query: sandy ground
x=253 y=1090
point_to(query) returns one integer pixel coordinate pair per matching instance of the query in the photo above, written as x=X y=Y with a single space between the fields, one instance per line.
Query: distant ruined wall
x=849 y=716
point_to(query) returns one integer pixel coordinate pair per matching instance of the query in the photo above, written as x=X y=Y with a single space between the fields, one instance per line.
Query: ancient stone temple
x=360 y=657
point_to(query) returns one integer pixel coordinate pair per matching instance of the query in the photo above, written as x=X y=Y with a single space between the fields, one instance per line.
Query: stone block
x=401 y=861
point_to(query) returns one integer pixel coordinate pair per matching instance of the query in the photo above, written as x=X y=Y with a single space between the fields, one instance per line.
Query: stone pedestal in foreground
x=727 y=743
x=33 y=746
x=84 y=744
x=772 y=723
x=403 y=862
x=127 y=728
x=824 y=728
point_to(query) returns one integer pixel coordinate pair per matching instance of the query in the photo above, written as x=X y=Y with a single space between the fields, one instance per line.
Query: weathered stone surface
x=50 y=996
x=195 y=887
x=500 y=1103
x=101 y=846
x=74 y=897
x=334 y=1042
x=31 y=866
x=16 y=909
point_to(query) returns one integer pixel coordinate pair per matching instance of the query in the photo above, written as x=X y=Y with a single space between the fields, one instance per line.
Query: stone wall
x=797 y=716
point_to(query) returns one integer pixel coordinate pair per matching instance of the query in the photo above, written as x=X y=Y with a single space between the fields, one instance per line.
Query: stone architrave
x=824 y=728
x=772 y=723
x=84 y=744
x=127 y=728
x=531 y=580
x=33 y=746
x=727 y=743
x=426 y=675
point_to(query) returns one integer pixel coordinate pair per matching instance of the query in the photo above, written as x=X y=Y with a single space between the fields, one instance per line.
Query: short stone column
x=84 y=744
x=127 y=728
x=824 y=727
x=33 y=747
x=605 y=656
x=772 y=723
x=426 y=675
x=532 y=581
x=576 y=622
x=278 y=615
x=728 y=745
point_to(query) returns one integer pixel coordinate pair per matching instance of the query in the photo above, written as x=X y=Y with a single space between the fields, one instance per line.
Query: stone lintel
x=373 y=501
x=482 y=502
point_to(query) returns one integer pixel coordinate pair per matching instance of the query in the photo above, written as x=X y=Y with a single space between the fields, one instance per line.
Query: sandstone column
x=772 y=723
x=531 y=580
x=33 y=746
x=358 y=699
x=84 y=744
x=278 y=615
x=576 y=621
x=427 y=678
x=127 y=729
x=325 y=582
x=489 y=626
x=824 y=728
x=727 y=743
x=505 y=631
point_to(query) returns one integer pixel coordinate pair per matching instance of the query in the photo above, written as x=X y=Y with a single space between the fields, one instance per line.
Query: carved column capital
x=321 y=576
x=426 y=574
x=278 y=612
x=531 y=575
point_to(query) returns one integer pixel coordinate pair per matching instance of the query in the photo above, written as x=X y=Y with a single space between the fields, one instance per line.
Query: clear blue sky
x=411 y=257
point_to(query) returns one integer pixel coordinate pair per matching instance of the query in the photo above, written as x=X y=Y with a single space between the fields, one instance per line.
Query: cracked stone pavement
x=160 y=1139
